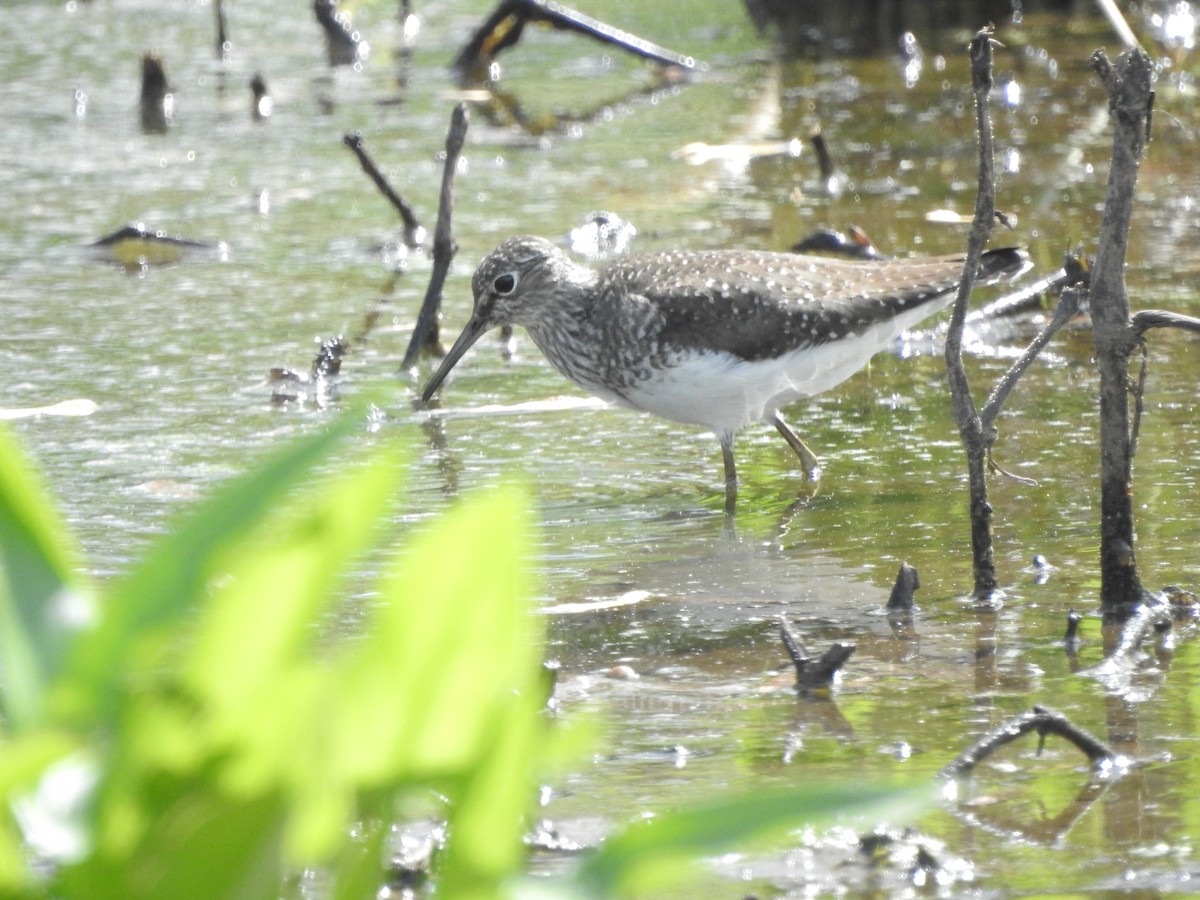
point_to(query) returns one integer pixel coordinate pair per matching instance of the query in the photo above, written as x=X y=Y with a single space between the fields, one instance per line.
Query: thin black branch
x=503 y=28
x=425 y=332
x=222 y=37
x=1041 y=720
x=976 y=440
x=1139 y=398
x=1145 y=319
x=1068 y=305
x=413 y=232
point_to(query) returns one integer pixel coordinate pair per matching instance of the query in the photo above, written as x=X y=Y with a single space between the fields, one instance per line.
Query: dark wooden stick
x=1131 y=100
x=907 y=582
x=813 y=674
x=425 y=333
x=976 y=439
x=1145 y=319
x=1068 y=305
x=413 y=232
x=222 y=39
x=1042 y=720
x=503 y=28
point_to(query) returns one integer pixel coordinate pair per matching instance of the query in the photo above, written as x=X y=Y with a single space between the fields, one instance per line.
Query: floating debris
x=814 y=674
x=78 y=407
x=135 y=247
x=320 y=384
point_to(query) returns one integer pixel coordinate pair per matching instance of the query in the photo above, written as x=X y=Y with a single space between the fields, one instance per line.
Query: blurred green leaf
x=654 y=850
x=206 y=845
x=176 y=570
x=255 y=639
x=22 y=764
x=42 y=603
x=448 y=683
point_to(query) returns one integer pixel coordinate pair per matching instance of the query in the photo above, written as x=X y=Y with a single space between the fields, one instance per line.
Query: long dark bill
x=473 y=332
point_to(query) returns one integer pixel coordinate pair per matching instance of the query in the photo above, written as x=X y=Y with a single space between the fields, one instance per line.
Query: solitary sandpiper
x=716 y=338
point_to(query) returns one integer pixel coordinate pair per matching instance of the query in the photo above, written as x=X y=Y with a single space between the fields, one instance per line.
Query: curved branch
x=1044 y=721
x=1143 y=320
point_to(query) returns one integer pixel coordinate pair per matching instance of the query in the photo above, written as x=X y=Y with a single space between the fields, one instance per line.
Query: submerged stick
x=813 y=674
x=907 y=583
x=425 y=332
x=1042 y=720
x=413 y=232
x=222 y=38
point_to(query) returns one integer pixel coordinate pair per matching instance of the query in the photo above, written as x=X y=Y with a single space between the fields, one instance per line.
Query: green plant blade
x=207 y=845
x=654 y=849
x=448 y=684
x=176 y=571
x=42 y=604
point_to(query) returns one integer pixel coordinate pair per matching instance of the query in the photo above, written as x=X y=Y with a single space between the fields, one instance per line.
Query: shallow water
x=177 y=360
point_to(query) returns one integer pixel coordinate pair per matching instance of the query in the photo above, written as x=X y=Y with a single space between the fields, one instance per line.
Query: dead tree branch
x=503 y=28
x=1145 y=319
x=813 y=673
x=425 y=333
x=1040 y=719
x=1131 y=102
x=975 y=437
x=413 y=232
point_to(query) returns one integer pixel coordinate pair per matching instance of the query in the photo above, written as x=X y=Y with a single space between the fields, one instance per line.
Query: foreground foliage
x=194 y=732
x=199 y=730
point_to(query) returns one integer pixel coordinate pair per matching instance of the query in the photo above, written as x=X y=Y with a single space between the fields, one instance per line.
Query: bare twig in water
x=413 y=232
x=425 y=332
x=1068 y=306
x=813 y=674
x=222 y=39
x=503 y=28
x=1042 y=720
x=1145 y=319
x=1071 y=639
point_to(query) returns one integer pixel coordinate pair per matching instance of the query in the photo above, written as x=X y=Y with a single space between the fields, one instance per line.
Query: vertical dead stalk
x=976 y=439
x=978 y=429
x=1130 y=100
x=425 y=333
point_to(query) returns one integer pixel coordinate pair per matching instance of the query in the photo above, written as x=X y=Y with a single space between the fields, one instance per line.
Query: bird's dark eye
x=506 y=283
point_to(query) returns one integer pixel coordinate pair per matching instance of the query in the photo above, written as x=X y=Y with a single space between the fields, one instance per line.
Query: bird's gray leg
x=808 y=459
x=731 y=482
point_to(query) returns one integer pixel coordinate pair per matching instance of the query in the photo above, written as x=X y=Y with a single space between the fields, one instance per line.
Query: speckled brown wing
x=760 y=305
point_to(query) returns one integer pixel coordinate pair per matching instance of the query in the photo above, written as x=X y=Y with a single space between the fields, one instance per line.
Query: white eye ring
x=505 y=283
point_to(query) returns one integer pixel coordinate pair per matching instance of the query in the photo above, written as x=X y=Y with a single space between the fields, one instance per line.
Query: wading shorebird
x=715 y=338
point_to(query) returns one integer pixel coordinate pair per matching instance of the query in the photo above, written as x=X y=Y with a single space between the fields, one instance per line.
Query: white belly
x=724 y=393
